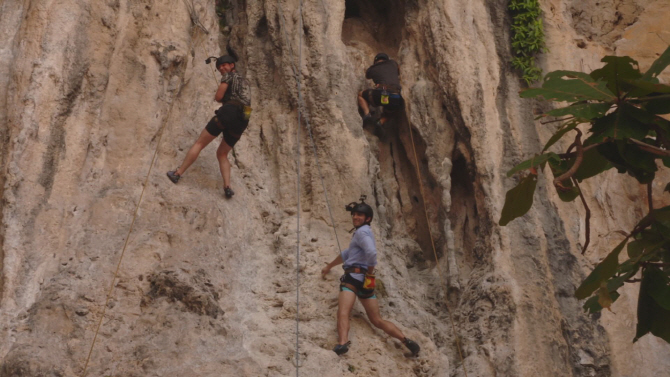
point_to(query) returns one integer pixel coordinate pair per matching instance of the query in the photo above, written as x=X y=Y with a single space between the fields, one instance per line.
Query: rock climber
x=385 y=74
x=359 y=261
x=231 y=120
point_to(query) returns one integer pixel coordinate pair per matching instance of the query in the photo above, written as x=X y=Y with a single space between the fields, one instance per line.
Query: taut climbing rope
x=301 y=116
x=137 y=207
x=307 y=123
x=442 y=282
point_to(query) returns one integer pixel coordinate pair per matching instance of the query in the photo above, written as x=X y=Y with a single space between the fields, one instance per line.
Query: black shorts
x=229 y=120
x=348 y=282
x=374 y=97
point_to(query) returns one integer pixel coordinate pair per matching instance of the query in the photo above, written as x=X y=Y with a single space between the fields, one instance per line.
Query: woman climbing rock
x=359 y=261
x=231 y=120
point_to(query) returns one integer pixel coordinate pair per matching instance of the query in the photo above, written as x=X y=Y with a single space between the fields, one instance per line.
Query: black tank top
x=384 y=73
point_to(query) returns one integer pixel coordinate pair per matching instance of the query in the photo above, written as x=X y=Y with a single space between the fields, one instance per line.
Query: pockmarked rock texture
x=99 y=99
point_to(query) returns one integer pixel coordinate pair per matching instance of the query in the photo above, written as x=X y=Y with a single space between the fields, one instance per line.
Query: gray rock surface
x=89 y=91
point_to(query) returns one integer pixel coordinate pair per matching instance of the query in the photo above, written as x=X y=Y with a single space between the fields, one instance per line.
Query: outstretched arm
x=332 y=264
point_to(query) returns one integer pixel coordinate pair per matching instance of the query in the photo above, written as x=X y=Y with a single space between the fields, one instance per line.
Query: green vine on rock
x=527 y=37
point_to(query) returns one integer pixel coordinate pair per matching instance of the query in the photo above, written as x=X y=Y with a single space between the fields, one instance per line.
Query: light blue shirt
x=362 y=251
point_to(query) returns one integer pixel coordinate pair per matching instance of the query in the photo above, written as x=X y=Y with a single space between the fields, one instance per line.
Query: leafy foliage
x=622 y=107
x=527 y=37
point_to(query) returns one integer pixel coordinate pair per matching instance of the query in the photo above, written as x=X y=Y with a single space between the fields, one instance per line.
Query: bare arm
x=218 y=97
x=332 y=264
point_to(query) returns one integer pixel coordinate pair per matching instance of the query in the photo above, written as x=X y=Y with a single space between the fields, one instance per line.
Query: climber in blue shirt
x=359 y=261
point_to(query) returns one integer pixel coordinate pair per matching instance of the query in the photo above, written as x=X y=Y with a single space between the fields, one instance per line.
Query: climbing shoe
x=229 y=192
x=174 y=177
x=412 y=346
x=380 y=132
x=341 y=349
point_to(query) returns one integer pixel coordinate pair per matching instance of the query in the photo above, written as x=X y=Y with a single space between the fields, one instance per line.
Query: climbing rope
x=307 y=123
x=297 y=241
x=301 y=109
x=439 y=272
x=132 y=224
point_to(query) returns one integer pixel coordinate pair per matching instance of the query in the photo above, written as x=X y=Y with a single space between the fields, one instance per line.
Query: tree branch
x=587 y=218
x=557 y=120
x=568 y=155
x=578 y=161
x=651 y=149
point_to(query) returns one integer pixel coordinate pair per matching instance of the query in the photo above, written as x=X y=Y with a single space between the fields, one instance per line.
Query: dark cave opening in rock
x=463 y=214
x=378 y=24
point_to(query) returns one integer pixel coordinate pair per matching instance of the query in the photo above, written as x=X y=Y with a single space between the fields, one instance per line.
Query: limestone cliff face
x=89 y=91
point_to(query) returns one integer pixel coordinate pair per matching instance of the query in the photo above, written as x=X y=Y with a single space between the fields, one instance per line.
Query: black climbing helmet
x=221 y=60
x=381 y=56
x=224 y=59
x=361 y=207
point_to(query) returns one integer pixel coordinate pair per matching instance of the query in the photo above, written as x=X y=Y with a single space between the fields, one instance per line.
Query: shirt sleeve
x=226 y=78
x=367 y=243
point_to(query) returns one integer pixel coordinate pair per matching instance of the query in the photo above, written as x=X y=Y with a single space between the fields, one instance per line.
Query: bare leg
x=203 y=140
x=372 y=310
x=363 y=104
x=224 y=164
x=346 y=301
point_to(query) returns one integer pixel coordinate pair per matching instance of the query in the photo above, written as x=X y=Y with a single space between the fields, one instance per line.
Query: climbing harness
x=356 y=286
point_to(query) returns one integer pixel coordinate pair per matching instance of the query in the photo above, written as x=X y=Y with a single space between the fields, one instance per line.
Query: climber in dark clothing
x=231 y=120
x=359 y=261
x=385 y=74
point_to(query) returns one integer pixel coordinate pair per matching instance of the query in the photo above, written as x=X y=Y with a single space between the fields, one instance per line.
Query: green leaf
x=620 y=124
x=658 y=66
x=617 y=69
x=518 y=200
x=644 y=245
x=613 y=285
x=640 y=88
x=667 y=187
x=602 y=272
x=570 y=86
x=604 y=299
x=636 y=248
x=592 y=306
x=568 y=195
x=559 y=134
x=593 y=164
x=661 y=214
x=659 y=289
x=651 y=317
x=666 y=163
x=638 y=160
x=658 y=106
x=583 y=111
x=533 y=162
